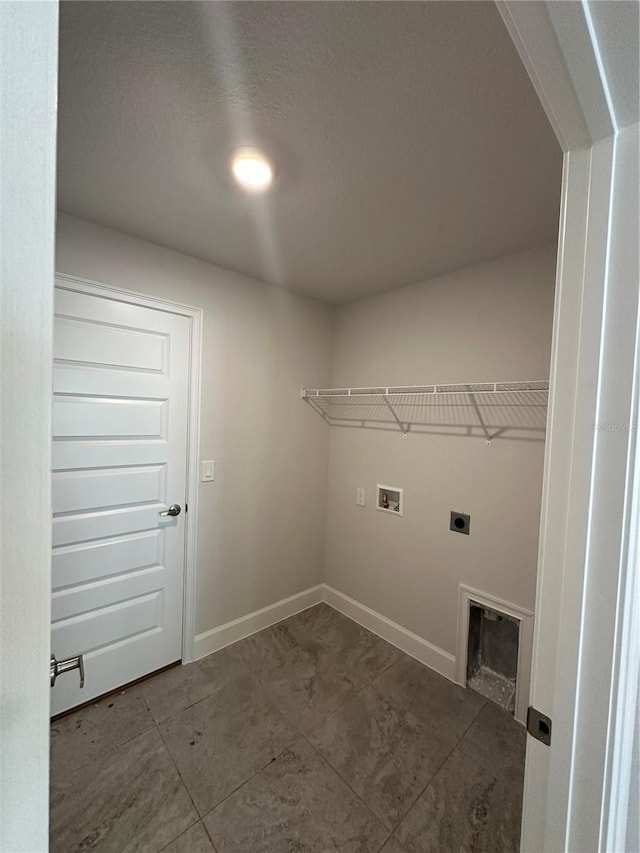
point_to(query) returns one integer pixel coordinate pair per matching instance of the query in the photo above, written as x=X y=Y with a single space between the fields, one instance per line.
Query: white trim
x=194 y=315
x=224 y=635
x=193 y=490
x=620 y=793
x=28 y=83
x=467 y=595
x=417 y=647
x=624 y=721
x=534 y=38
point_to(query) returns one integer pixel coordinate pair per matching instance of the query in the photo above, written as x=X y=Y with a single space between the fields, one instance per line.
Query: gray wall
x=490 y=322
x=269 y=526
x=262 y=522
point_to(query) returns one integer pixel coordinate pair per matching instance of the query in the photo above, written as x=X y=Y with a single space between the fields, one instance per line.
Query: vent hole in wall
x=492 y=655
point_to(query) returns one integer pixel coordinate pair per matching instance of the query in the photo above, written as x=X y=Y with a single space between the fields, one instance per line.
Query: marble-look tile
x=430 y=696
x=194 y=840
x=306 y=698
x=182 y=686
x=496 y=741
x=330 y=637
x=385 y=753
x=131 y=799
x=91 y=732
x=393 y=846
x=225 y=739
x=270 y=651
x=464 y=809
x=304 y=686
x=297 y=803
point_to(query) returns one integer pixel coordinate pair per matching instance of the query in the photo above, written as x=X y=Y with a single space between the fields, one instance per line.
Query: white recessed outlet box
x=207 y=471
x=360 y=497
x=390 y=499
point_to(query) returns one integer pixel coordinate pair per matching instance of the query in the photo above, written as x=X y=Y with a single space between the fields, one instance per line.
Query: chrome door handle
x=174 y=509
x=57 y=667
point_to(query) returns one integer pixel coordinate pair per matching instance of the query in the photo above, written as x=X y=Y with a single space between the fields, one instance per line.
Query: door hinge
x=539 y=725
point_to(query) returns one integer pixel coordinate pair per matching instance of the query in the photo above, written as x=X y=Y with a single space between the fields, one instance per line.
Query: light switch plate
x=207 y=470
x=360 y=497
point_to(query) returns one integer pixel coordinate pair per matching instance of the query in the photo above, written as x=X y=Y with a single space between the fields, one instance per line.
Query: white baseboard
x=428 y=654
x=217 y=638
x=413 y=645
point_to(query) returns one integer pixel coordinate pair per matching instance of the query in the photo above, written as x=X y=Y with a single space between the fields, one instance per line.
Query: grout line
x=369 y=808
x=299 y=734
x=203 y=698
x=191 y=825
x=208 y=834
x=439 y=767
x=102 y=755
x=175 y=764
x=482 y=707
x=431 y=777
x=304 y=735
x=249 y=778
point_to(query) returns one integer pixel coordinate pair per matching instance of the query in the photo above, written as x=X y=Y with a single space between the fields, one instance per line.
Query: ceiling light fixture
x=251 y=170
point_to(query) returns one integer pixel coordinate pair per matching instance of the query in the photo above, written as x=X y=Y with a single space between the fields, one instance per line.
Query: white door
x=120 y=383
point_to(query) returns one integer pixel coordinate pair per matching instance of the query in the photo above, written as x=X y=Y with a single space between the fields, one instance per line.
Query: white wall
x=262 y=522
x=28 y=76
x=487 y=323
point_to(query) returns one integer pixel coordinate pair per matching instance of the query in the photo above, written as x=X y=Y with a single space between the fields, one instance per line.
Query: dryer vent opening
x=492 y=655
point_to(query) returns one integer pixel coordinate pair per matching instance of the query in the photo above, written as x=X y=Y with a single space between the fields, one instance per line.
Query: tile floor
x=313 y=735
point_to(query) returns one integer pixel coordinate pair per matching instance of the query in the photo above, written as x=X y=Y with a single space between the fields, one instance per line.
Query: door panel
x=93 y=561
x=107 y=488
x=119 y=459
x=112 y=347
x=84 y=418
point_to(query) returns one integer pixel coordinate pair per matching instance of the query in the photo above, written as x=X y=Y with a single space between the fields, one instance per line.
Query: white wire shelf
x=491 y=407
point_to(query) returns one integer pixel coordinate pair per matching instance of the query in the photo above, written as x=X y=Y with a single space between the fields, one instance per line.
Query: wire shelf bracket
x=404 y=429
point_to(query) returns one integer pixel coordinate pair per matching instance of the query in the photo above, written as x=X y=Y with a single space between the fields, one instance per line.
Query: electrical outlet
x=460 y=522
x=207 y=471
x=360 y=497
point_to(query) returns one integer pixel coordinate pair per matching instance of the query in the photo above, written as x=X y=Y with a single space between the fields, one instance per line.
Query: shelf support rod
x=317 y=409
x=404 y=429
x=474 y=403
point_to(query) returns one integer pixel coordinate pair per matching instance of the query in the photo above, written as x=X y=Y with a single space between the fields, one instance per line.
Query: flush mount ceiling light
x=251 y=170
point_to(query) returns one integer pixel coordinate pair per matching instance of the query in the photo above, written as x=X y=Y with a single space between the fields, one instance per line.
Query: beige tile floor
x=313 y=735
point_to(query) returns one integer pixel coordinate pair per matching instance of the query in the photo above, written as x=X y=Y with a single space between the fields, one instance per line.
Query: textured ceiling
x=407 y=138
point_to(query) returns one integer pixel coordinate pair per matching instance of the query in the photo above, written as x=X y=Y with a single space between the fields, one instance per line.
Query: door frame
x=194 y=315
x=28 y=78
x=584 y=658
